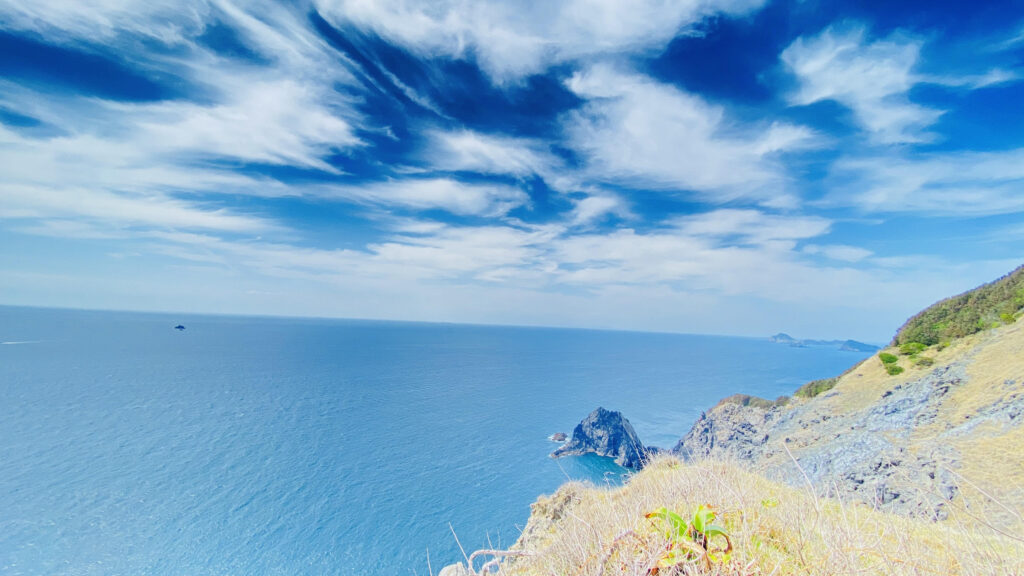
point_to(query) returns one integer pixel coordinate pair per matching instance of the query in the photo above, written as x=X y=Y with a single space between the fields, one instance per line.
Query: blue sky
x=712 y=166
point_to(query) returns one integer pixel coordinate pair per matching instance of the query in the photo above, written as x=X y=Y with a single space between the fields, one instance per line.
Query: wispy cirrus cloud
x=468 y=150
x=932 y=184
x=634 y=130
x=460 y=198
x=512 y=40
x=873 y=78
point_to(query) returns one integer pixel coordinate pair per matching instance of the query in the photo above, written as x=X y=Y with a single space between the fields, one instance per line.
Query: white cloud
x=120 y=210
x=870 y=78
x=752 y=226
x=513 y=39
x=594 y=207
x=642 y=133
x=938 y=184
x=275 y=122
x=486 y=153
x=873 y=78
x=840 y=252
x=139 y=164
x=436 y=193
x=993 y=77
x=286 y=111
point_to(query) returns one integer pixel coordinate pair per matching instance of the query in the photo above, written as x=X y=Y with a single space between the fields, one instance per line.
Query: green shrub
x=815 y=387
x=966 y=313
x=748 y=400
x=893 y=369
x=924 y=361
x=1007 y=318
x=912 y=348
x=887 y=358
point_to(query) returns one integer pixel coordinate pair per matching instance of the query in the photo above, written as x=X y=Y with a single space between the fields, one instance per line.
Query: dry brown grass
x=776 y=530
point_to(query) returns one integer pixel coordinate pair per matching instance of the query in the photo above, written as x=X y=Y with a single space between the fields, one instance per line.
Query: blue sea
x=250 y=446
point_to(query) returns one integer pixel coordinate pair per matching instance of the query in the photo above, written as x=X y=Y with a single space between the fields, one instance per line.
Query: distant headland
x=845 y=345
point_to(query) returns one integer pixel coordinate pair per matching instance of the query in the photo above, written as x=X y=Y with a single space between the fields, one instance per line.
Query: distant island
x=845 y=345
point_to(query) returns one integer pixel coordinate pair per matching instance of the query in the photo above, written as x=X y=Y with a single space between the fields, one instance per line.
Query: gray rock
x=861 y=454
x=606 y=433
x=732 y=430
x=454 y=570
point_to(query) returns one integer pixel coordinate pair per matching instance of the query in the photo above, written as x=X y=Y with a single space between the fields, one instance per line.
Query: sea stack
x=606 y=433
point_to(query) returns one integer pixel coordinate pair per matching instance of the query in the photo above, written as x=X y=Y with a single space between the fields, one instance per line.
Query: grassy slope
x=775 y=529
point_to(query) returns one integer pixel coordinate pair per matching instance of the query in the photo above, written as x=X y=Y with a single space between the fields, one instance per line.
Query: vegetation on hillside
x=755 y=401
x=989 y=305
x=815 y=387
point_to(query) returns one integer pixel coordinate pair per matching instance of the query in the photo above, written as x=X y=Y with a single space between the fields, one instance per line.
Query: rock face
x=897 y=449
x=606 y=433
x=559 y=437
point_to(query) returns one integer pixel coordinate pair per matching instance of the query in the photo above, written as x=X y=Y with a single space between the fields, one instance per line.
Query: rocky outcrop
x=733 y=430
x=606 y=433
x=875 y=453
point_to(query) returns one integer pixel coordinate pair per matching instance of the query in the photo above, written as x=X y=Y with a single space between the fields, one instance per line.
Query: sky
x=824 y=168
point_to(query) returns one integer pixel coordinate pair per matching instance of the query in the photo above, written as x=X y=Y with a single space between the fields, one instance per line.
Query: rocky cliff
x=914 y=443
x=606 y=433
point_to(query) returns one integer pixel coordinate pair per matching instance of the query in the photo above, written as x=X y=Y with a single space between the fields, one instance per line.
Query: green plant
x=887 y=358
x=815 y=387
x=912 y=348
x=924 y=361
x=893 y=369
x=756 y=402
x=698 y=541
x=1007 y=318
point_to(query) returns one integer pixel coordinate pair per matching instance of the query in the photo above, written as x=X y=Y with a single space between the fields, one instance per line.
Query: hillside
x=911 y=462
x=774 y=529
x=989 y=305
x=933 y=437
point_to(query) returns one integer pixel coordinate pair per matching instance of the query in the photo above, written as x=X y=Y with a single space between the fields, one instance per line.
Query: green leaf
x=677 y=526
x=702 y=518
x=715 y=530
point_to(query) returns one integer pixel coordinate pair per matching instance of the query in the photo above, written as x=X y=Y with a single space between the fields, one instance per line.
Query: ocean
x=251 y=445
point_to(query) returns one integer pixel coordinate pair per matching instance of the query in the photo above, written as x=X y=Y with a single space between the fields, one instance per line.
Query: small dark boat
x=179 y=327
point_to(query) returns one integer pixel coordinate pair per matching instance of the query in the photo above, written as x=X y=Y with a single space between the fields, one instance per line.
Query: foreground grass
x=774 y=529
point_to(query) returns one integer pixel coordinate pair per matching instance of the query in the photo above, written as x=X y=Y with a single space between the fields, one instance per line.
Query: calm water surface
x=286 y=446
